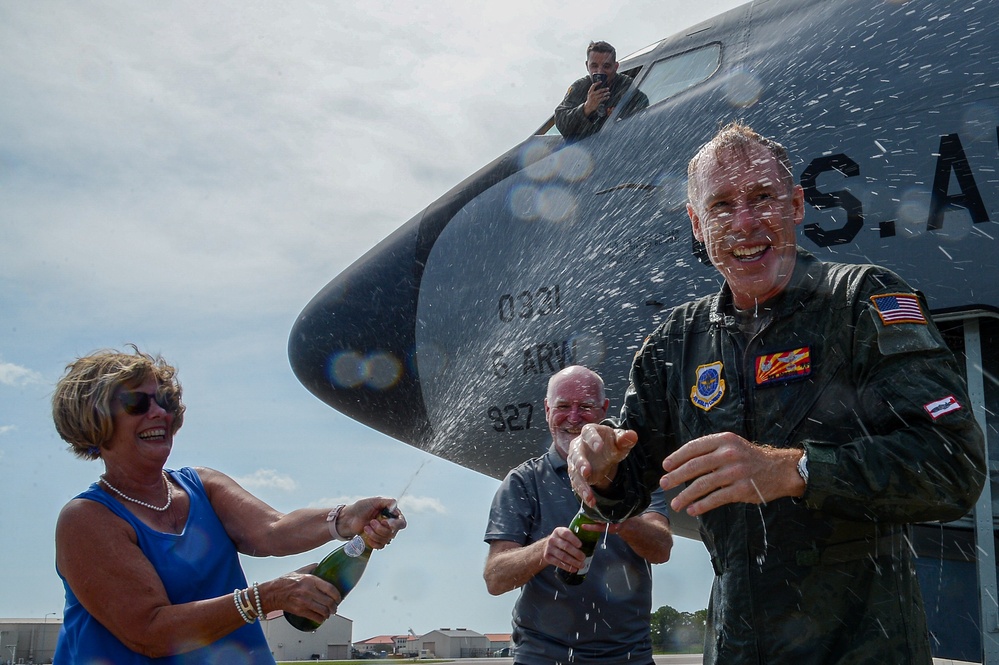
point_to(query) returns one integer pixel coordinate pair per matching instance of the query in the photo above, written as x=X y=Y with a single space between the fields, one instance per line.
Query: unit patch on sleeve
x=898 y=308
x=783 y=366
x=942 y=406
x=708 y=386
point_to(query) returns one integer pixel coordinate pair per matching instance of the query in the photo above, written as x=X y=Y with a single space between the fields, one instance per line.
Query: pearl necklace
x=143 y=503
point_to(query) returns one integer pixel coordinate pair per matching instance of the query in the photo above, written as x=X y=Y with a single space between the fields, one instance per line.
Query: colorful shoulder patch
x=708 y=386
x=898 y=308
x=783 y=366
x=942 y=406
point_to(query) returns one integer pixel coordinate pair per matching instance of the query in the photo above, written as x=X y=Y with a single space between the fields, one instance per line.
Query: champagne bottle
x=589 y=546
x=342 y=568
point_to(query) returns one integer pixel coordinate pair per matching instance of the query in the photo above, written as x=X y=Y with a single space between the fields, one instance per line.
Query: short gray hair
x=736 y=136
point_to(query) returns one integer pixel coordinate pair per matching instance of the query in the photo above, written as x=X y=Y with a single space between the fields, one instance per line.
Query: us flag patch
x=898 y=308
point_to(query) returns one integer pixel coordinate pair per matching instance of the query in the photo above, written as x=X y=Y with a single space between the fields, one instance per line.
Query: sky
x=187 y=176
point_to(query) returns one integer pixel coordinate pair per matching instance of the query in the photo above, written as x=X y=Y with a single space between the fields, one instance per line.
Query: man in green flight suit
x=812 y=410
x=592 y=99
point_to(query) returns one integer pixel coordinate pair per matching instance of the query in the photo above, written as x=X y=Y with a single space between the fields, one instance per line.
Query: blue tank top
x=200 y=562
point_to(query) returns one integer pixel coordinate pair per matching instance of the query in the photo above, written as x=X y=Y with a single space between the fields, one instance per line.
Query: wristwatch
x=803 y=467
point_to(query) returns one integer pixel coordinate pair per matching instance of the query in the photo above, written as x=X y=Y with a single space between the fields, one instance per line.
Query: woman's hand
x=368 y=517
x=302 y=594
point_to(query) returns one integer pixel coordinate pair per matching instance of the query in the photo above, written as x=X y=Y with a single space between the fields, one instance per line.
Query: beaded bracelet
x=239 y=606
x=331 y=522
x=256 y=596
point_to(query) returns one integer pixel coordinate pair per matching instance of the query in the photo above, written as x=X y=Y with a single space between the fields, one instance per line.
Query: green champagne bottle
x=589 y=540
x=342 y=568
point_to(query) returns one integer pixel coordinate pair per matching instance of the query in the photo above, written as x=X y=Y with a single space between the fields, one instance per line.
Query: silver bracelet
x=803 y=467
x=239 y=606
x=244 y=600
x=331 y=522
x=256 y=597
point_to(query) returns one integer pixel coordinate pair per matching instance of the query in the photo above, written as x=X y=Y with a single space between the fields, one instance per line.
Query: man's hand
x=596 y=95
x=725 y=468
x=648 y=535
x=562 y=550
x=594 y=456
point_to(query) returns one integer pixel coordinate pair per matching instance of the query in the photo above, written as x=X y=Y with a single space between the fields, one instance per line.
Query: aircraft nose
x=352 y=345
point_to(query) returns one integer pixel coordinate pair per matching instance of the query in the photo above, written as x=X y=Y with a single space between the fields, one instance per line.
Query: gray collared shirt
x=605 y=619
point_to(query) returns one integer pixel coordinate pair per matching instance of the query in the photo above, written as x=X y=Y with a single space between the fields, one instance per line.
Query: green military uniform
x=574 y=124
x=849 y=368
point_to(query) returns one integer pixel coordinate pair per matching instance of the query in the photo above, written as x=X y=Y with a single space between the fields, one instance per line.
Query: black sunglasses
x=136 y=403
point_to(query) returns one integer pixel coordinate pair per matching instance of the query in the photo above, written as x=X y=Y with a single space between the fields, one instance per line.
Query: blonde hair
x=81 y=403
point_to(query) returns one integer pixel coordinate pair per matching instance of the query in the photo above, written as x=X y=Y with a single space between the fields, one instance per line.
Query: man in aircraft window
x=606 y=618
x=591 y=99
x=809 y=411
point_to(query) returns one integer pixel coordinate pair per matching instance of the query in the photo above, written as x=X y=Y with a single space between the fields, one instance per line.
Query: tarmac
x=680 y=659
x=683 y=659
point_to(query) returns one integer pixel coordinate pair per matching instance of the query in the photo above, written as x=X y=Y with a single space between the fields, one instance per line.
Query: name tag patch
x=783 y=366
x=942 y=406
x=708 y=386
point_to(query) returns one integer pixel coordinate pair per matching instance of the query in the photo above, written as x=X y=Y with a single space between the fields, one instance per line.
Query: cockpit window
x=680 y=72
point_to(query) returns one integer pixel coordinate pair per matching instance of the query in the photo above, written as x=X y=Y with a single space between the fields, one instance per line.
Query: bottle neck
x=583 y=518
x=356 y=546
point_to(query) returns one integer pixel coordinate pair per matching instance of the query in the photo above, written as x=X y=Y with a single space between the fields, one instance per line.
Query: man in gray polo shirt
x=605 y=619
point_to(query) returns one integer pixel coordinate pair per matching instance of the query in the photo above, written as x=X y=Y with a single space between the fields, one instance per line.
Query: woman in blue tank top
x=149 y=555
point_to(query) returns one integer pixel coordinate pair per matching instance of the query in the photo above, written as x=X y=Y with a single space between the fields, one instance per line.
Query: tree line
x=674 y=631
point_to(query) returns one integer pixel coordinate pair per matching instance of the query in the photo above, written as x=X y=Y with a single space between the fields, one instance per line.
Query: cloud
x=14 y=375
x=422 y=504
x=267 y=478
x=6 y=428
x=410 y=505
